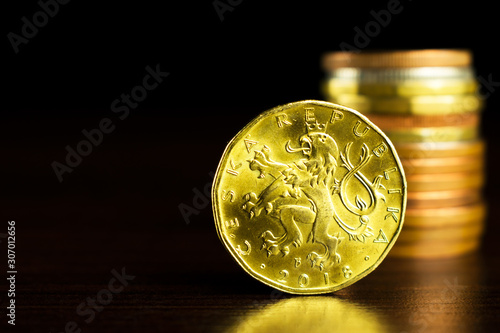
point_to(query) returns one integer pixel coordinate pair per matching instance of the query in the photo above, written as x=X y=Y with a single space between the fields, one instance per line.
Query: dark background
x=222 y=74
x=261 y=55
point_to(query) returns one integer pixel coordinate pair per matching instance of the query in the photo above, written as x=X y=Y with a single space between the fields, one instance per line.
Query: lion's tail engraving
x=361 y=208
x=358 y=233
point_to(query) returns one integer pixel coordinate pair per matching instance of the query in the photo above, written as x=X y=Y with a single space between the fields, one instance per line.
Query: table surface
x=117 y=214
x=194 y=286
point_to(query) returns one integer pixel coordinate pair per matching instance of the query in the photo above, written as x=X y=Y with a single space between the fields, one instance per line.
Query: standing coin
x=309 y=197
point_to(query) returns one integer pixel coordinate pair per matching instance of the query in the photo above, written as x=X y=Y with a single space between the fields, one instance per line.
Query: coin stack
x=426 y=101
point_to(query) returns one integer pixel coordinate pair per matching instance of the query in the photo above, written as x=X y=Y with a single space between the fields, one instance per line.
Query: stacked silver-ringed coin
x=427 y=103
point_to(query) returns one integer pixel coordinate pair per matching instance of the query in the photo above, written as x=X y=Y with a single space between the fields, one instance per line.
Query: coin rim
x=218 y=221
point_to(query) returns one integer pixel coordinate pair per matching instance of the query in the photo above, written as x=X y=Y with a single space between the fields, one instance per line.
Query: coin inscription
x=315 y=183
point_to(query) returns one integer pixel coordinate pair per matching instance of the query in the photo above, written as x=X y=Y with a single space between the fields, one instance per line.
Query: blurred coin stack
x=426 y=101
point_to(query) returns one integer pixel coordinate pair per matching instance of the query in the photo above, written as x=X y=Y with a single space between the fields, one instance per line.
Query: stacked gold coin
x=426 y=101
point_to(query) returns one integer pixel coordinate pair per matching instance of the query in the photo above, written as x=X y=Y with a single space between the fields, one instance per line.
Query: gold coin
x=437 y=199
x=415 y=105
x=397 y=59
x=445 y=216
x=402 y=75
x=435 y=250
x=411 y=236
x=335 y=87
x=455 y=119
x=309 y=197
x=445 y=181
x=433 y=134
x=442 y=165
x=441 y=149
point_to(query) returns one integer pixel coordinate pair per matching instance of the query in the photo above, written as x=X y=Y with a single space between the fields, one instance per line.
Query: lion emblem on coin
x=302 y=193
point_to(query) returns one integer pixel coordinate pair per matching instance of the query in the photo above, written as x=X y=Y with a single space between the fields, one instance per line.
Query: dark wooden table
x=117 y=215
x=183 y=281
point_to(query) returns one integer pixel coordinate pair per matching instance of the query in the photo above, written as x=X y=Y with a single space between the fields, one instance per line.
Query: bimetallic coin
x=437 y=199
x=416 y=105
x=433 y=134
x=441 y=149
x=309 y=197
x=402 y=75
x=334 y=87
x=397 y=59
x=445 y=181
